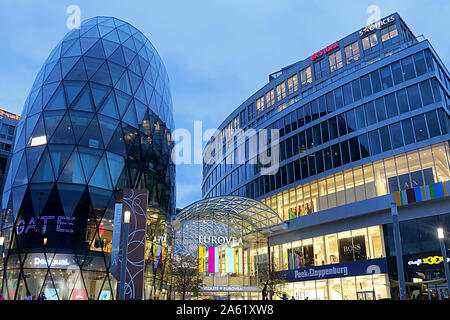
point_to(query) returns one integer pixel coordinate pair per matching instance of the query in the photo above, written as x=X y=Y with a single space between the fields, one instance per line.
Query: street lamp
x=123 y=266
x=440 y=232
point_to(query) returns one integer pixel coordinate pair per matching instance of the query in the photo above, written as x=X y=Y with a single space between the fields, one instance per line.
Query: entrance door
x=365 y=295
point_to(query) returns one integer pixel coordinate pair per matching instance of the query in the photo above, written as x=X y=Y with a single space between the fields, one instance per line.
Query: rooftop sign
x=376 y=25
x=324 y=50
x=9 y=115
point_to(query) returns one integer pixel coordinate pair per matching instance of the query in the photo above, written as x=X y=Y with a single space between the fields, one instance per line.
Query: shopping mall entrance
x=227 y=237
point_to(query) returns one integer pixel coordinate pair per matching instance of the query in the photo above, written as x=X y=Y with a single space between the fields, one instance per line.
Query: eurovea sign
x=219 y=240
x=376 y=25
x=324 y=50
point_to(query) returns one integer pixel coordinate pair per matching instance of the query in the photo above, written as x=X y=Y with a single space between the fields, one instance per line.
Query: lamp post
x=440 y=232
x=123 y=265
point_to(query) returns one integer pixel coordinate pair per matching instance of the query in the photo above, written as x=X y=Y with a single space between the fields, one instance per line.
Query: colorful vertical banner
x=201 y=259
x=117 y=233
x=216 y=259
x=241 y=261
x=230 y=260
x=211 y=259
x=157 y=255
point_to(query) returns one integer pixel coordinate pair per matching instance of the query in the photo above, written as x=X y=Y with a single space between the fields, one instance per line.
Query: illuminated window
x=292 y=84
x=281 y=91
x=335 y=60
x=305 y=76
x=388 y=33
x=38 y=141
x=369 y=41
x=270 y=98
x=260 y=104
x=352 y=52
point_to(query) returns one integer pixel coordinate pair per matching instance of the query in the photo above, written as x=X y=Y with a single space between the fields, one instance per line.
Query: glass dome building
x=97 y=120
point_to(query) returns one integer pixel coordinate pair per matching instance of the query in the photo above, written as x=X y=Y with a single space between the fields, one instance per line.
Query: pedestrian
x=292 y=298
x=284 y=297
x=28 y=296
x=42 y=296
x=264 y=292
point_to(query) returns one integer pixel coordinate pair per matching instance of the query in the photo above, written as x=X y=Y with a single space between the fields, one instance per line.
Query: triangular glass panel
x=135 y=81
x=140 y=110
x=78 y=72
x=66 y=44
x=144 y=64
x=106 y=21
x=139 y=44
x=104 y=29
x=39 y=195
x=135 y=67
x=47 y=92
x=124 y=84
x=101 y=177
x=89 y=159
x=44 y=171
x=55 y=74
x=117 y=143
x=52 y=119
x=112 y=36
x=30 y=123
x=58 y=101
x=74 y=50
x=38 y=136
x=124 y=27
x=80 y=121
x=73 y=88
x=107 y=127
x=130 y=116
x=64 y=133
x=96 y=50
x=92 y=137
x=117 y=56
x=17 y=196
x=59 y=155
x=140 y=93
x=21 y=176
x=93 y=33
x=84 y=101
x=70 y=196
x=109 y=47
x=123 y=100
x=20 y=140
x=123 y=36
x=99 y=92
x=102 y=75
x=87 y=43
x=73 y=171
x=116 y=71
x=116 y=163
x=129 y=43
x=124 y=180
x=92 y=65
x=129 y=55
x=67 y=64
x=37 y=104
x=109 y=107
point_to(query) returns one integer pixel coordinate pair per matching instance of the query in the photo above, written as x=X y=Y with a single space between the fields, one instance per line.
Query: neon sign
x=376 y=25
x=9 y=115
x=324 y=50
x=62 y=225
x=428 y=260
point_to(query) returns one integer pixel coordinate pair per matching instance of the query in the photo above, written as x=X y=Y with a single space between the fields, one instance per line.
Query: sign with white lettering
x=338 y=270
x=376 y=25
x=219 y=240
x=57 y=261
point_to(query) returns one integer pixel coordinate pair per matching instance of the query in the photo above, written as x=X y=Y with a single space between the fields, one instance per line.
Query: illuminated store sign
x=57 y=261
x=376 y=25
x=431 y=260
x=324 y=50
x=338 y=270
x=38 y=262
x=213 y=240
x=9 y=115
x=63 y=224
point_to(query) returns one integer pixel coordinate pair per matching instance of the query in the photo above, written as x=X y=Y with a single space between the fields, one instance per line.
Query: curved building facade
x=98 y=120
x=355 y=126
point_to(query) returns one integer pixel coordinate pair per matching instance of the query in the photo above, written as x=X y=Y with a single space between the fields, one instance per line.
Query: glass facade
x=98 y=120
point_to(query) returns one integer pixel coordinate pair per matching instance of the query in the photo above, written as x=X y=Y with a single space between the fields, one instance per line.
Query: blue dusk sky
x=216 y=52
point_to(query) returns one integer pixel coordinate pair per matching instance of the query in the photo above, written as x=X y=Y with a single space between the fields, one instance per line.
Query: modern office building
x=97 y=120
x=8 y=124
x=359 y=129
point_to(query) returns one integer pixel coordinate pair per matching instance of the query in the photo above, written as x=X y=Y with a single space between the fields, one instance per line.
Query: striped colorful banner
x=422 y=193
x=211 y=259
x=223 y=260
x=201 y=259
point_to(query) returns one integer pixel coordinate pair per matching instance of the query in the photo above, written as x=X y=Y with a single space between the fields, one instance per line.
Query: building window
x=388 y=33
x=305 y=76
x=352 y=52
x=335 y=60
x=292 y=84
x=321 y=68
x=281 y=91
x=260 y=104
x=369 y=41
x=270 y=98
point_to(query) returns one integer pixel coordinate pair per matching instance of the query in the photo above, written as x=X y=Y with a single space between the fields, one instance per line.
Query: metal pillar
x=398 y=251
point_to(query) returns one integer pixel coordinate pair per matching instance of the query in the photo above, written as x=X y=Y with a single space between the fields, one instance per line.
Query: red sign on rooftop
x=9 y=115
x=324 y=50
